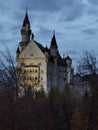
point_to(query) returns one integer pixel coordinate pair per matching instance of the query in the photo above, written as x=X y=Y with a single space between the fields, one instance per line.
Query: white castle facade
x=41 y=66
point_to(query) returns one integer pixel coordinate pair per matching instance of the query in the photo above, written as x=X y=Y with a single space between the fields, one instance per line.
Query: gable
x=32 y=51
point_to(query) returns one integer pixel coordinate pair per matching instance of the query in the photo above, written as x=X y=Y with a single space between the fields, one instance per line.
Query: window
x=30 y=71
x=30 y=78
x=41 y=78
x=39 y=64
x=35 y=71
x=31 y=54
x=24 y=71
x=41 y=71
x=23 y=64
x=35 y=78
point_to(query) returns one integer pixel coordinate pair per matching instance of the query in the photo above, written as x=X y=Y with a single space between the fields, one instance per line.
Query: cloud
x=94 y=2
x=42 y=5
x=89 y=31
x=75 y=11
x=71 y=52
x=43 y=32
x=71 y=19
x=43 y=35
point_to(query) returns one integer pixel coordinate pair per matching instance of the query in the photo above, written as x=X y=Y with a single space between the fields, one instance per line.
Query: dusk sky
x=74 y=21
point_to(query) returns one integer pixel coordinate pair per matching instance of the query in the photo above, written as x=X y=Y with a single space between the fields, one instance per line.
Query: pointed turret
x=26 y=20
x=53 y=46
x=53 y=41
x=18 y=51
x=25 y=32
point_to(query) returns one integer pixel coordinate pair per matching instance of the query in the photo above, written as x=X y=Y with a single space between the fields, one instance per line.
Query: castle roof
x=43 y=49
x=18 y=50
x=68 y=58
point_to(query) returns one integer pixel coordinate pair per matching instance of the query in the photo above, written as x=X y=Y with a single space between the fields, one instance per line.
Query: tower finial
x=53 y=41
x=54 y=32
x=26 y=19
x=26 y=9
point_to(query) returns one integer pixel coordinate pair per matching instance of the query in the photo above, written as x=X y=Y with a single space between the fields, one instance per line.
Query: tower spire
x=53 y=41
x=53 y=46
x=54 y=32
x=26 y=19
x=25 y=31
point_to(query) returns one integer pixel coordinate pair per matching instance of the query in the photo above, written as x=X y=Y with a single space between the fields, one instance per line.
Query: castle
x=41 y=67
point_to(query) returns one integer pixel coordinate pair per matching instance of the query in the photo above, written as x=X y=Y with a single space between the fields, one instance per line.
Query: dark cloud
x=42 y=5
x=89 y=31
x=75 y=11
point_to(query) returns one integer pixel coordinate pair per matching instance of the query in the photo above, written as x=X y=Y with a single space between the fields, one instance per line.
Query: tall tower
x=53 y=46
x=54 y=54
x=25 y=32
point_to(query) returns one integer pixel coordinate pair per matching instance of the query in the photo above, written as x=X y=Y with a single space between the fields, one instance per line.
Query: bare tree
x=8 y=74
x=87 y=68
x=8 y=88
x=87 y=63
x=12 y=77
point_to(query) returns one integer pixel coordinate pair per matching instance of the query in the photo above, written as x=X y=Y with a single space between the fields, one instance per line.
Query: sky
x=75 y=23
